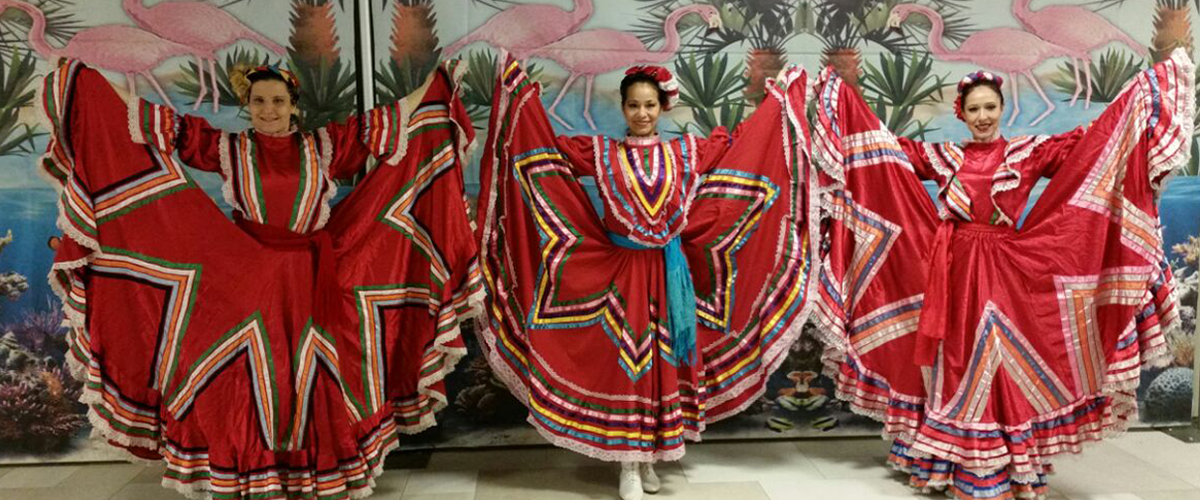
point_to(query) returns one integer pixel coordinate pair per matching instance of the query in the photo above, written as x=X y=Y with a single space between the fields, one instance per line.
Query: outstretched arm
x=195 y=140
x=380 y=132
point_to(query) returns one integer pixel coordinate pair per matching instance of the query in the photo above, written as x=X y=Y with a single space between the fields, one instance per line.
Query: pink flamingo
x=113 y=47
x=522 y=28
x=1074 y=28
x=203 y=27
x=594 y=52
x=1007 y=50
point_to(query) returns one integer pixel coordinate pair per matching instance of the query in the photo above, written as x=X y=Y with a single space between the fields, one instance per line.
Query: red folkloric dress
x=282 y=355
x=985 y=348
x=579 y=321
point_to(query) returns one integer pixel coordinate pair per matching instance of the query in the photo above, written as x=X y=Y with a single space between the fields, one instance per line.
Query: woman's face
x=641 y=109
x=981 y=110
x=270 y=107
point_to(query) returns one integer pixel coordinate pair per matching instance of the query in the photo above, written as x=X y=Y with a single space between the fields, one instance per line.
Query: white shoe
x=650 y=482
x=631 y=481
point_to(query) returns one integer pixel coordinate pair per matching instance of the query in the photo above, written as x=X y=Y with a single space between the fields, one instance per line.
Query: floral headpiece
x=239 y=79
x=969 y=80
x=666 y=81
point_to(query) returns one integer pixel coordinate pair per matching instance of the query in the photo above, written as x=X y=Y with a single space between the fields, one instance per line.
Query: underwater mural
x=1065 y=60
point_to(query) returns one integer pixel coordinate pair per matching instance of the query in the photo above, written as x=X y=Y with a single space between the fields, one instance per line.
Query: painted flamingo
x=1007 y=50
x=594 y=52
x=125 y=49
x=203 y=27
x=522 y=28
x=1074 y=28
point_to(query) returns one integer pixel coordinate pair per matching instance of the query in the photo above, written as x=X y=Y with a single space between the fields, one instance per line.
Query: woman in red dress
x=279 y=355
x=985 y=346
x=627 y=332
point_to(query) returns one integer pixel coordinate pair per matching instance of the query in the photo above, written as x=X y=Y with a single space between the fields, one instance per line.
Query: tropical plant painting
x=1066 y=60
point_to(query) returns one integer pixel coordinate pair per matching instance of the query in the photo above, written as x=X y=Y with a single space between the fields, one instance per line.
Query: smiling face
x=271 y=107
x=641 y=108
x=982 y=108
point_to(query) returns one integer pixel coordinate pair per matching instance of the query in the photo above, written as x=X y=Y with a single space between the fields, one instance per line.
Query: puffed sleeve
x=1054 y=151
x=915 y=151
x=192 y=137
x=352 y=140
x=581 y=151
x=713 y=148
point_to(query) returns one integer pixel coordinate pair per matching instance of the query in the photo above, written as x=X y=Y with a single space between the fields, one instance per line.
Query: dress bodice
x=988 y=182
x=646 y=184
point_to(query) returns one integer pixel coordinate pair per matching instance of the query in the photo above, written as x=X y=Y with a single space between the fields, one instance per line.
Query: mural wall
x=1063 y=62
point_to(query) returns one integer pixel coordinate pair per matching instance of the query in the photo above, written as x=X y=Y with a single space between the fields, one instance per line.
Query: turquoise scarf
x=681 y=296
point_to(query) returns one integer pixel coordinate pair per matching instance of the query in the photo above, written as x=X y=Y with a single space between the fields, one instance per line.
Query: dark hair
x=966 y=91
x=293 y=91
x=631 y=79
x=263 y=76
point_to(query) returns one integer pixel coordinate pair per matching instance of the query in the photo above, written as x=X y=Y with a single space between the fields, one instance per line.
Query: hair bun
x=239 y=83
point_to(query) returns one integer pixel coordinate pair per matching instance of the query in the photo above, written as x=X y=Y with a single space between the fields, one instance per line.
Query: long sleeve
x=196 y=141
x=349 y=153
x=383 y=131
x=915 y=151
x=713 y=148
x=1054 y=151
x=581 y=153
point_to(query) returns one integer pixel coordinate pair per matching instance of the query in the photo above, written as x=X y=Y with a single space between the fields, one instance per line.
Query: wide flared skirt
x=1045 y=329
x=578 y=326
x=254 y=362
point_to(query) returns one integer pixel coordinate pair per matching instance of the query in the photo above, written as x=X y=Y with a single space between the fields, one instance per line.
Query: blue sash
x=681 y=296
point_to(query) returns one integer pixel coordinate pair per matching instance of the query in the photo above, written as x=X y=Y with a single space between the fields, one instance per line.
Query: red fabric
x=576 y=324
x=198 y=147
x=253 y=359
x=1034 y=336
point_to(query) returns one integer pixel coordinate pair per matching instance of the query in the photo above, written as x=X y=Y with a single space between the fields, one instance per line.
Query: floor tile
x=146 y=491
x=440 y=496
x=38 y=494
x=849 y=459
x=737 y=462
x=37 y=476
x=748 y=490
x=859 y=489
x=1053 y=494
x=425 y=482
x=518 y=458
x=1193 y=494
x=1165 y=452
x=565 y=483
x=391 y=483
x=1105 y=469
x=99 y=480
x=1152 y=495
x=150 y=474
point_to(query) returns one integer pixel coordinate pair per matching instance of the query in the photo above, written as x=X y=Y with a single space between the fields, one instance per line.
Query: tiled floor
x=1137 y=466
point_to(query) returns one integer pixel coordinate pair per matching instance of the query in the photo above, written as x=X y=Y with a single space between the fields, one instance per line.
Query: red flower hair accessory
x=666 y=81
x=971 y=79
